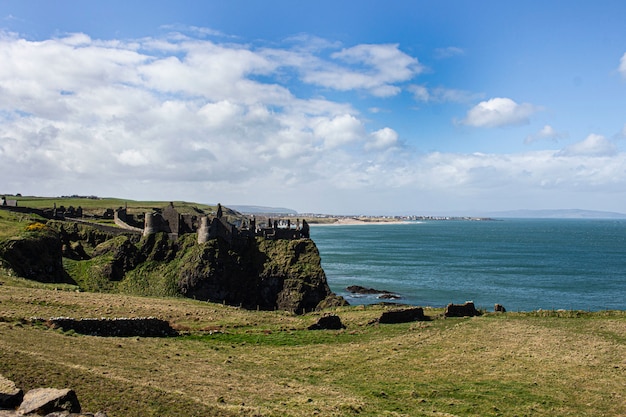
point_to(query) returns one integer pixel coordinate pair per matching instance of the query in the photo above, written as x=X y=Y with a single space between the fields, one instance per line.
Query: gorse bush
x=36 y=227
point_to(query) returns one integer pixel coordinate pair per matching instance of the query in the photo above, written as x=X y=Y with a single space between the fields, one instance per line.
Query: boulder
x=402 y=316
x=49 y=400
x=328 y=323
x=332 y=301
x=10 y=395
x=461 y=310
x=499 y=308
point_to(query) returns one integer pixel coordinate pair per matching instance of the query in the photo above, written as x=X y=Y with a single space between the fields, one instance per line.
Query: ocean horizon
x=523 y=264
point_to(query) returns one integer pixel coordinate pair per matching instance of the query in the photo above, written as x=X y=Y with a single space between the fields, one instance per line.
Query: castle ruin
x=174 y=224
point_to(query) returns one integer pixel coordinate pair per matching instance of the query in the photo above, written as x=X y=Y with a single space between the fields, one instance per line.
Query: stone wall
x=116 y=327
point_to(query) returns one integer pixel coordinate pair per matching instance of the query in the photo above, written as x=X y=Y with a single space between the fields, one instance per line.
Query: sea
x=522 y=264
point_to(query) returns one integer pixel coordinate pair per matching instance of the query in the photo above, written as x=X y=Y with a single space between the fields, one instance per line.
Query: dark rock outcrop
x=332 y=301
x=358 y=289
x=461 y=310
x=36 y=255
x=402 y=316
x=499 y=308
x=124 y=257
x=382 y=294
x=265 y=274
x=331 y=322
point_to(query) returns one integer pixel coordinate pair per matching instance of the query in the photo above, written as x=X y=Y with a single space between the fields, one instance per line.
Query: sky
x=337 y=107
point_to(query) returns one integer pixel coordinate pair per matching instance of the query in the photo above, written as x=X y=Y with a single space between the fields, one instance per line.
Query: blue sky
x=375 y=107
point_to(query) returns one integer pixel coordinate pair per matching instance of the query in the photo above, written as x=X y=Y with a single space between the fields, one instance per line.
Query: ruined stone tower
x=203 y=230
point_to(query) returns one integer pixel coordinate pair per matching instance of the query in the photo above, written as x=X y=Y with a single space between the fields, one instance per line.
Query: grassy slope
x=14 y=224
x=98 y=205
x=267 y=364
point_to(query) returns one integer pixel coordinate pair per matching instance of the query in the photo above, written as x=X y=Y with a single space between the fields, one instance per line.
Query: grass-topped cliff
x=255 y=273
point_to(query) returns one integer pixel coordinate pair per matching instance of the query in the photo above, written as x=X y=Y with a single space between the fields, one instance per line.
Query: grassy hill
x=233 y=362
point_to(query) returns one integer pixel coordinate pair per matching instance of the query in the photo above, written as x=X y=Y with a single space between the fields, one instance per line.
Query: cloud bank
x=177 y=117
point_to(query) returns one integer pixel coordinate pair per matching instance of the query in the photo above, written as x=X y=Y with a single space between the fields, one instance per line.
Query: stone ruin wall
x=171 y=222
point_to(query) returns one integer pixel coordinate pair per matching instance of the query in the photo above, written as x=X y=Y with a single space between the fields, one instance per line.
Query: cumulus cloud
x=373 y=68
x=382 y=139
x=498 y=112
x=593 y=145
x=187 y=118
x=177 y=109
x=338 y=131
x=546 y=132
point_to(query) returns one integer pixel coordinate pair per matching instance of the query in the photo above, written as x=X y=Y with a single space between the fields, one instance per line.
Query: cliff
x=257 y=273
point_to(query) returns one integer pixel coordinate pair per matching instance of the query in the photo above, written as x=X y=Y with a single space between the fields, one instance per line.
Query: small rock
x=10 y=395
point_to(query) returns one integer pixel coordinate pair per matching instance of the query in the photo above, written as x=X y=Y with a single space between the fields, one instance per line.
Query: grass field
x=97 y=205
x=232 y=362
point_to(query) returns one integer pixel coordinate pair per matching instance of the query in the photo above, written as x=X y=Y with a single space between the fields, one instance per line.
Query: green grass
x=100 y=204
x=15 y=224
x=233 y=362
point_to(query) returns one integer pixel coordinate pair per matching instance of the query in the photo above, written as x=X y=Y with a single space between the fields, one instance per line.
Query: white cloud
x=448 y=52
x=441 y=94
x=382 y=139
x=133 y=157
x=498 y=112
x=181 y=118
x=593 y=145
x=622 y=65
x=420 y=93
x=373 y=68
x=546 y=132
x=338 y=131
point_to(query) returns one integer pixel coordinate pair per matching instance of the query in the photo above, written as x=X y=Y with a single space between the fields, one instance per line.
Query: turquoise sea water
x=523 y=264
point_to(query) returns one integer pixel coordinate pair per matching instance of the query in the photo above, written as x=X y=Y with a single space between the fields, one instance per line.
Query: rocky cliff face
x=255 y=274
x=265 y=274
x=36 y=255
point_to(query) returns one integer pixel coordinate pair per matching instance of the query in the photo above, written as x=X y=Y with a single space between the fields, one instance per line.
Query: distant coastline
x=355 y=221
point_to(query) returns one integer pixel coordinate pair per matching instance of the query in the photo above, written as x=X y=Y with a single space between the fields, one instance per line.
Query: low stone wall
x=116 y=327
x=126 y=226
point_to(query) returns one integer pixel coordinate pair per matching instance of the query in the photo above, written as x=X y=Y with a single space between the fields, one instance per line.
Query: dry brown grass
x=267 y=364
